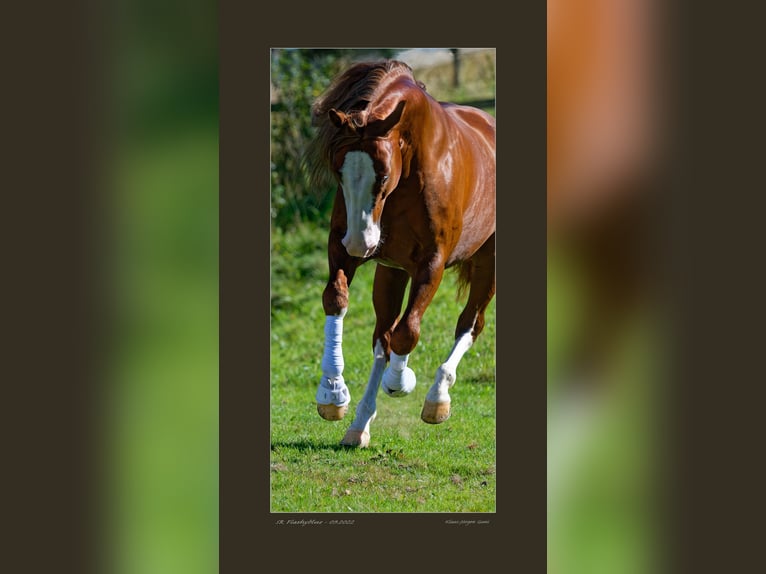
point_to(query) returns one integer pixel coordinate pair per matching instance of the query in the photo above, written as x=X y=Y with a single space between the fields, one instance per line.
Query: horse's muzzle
x=360 y=248
x=355 y=251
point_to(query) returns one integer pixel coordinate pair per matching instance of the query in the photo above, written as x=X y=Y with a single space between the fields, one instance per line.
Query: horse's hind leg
x=387 y=296
x=436 y=408
x=398 y=379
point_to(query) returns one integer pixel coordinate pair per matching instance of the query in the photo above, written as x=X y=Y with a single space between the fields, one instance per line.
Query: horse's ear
x=337 y=118
x=382 y=127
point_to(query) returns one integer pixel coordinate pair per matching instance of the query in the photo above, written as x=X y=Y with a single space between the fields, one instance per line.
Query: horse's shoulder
x=468 y=114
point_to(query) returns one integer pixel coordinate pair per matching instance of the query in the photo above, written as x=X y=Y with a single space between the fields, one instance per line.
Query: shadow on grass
x=309 y=445
x=485 y=378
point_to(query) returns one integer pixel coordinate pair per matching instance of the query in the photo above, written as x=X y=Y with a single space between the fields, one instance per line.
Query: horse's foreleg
x=436 y=407
x=387 y=296
x=332 y=396
x=399 y=379
x=358 y=434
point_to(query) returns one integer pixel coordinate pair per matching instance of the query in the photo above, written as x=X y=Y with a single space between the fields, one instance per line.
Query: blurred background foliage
x=162 y=452
x=298 y=76
x=162 y=387
x=606 y=330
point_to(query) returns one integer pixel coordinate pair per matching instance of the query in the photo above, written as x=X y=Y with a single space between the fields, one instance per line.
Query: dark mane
x=352 y=91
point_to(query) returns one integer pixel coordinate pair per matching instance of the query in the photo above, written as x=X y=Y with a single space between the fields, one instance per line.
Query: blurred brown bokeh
x=605 y=148
x=604 y=140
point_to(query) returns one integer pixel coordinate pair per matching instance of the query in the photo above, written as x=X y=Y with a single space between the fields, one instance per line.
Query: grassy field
x=604 y=514
x=410 y=466
x=163 y=402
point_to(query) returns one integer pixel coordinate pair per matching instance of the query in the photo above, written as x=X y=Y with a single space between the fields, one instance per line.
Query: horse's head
x=368 y=167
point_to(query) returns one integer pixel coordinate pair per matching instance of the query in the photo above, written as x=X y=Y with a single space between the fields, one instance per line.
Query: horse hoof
x=435 y=413
x=331 y=412
x=360 y=439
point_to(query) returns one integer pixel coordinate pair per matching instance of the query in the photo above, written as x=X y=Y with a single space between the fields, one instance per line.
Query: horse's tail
x=464 y=273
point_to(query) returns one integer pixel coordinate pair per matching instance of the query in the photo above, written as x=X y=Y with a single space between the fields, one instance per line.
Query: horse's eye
x=384 y=179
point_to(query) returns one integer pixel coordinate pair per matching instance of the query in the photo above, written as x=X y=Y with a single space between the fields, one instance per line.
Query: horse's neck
x=428 y=128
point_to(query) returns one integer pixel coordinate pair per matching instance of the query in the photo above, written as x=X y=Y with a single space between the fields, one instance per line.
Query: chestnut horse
x=416 y=193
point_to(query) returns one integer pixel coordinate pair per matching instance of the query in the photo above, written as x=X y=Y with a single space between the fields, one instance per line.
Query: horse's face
x=368 y=171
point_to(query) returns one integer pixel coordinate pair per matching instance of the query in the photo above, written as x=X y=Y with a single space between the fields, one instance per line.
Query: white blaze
x=358 y=177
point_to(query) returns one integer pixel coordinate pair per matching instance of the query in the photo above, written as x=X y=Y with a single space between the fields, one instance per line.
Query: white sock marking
x=446 y=374
x=367 y=407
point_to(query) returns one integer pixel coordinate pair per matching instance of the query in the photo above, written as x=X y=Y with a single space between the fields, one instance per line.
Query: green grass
x=410 y=466
x=477 y=78
x=163 y=402
x=604 y=514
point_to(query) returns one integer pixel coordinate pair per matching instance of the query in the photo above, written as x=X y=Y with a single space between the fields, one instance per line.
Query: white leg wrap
x=333 y=391
x=332 y=388
x=398 y=379
x=332 y=360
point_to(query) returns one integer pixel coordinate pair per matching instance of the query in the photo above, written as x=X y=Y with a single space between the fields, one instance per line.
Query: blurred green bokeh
x=604 y=462
x=163 y=255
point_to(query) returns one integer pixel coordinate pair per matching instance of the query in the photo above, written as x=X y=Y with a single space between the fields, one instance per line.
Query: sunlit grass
x=164 y=401
x=410 y=466
x=603 y=511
